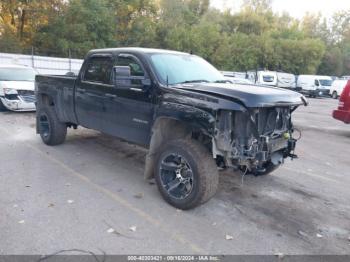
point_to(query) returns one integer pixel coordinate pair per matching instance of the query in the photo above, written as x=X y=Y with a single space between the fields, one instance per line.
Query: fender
x=175 y=120
x=195 y=118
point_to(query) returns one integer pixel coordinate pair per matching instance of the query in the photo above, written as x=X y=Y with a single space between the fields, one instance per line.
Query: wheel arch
x=167 y=128
x=45 y=100
x=42 y=99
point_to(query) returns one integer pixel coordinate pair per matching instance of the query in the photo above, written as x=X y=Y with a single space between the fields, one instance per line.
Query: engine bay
x=253 y=139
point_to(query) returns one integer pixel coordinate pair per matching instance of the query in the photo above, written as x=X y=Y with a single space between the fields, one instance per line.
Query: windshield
x=326 y=82
x=177 y=68
x=17 y=74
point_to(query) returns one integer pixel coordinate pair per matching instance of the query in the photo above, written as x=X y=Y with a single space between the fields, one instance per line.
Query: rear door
x=135 y=101
x=92 y=89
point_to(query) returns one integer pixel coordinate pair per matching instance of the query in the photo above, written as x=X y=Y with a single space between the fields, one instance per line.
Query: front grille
x=28 y=99
x=27 y=96
x=271 y=120
x=25 y=92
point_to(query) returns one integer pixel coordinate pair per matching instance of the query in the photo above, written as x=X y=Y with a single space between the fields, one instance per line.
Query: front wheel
x=186 y=174
x=52 y=131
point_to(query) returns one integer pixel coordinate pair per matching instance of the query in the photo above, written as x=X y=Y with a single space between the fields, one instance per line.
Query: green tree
x=300 y=56
x=9 y=41
x=22 y=18
x=84 y=25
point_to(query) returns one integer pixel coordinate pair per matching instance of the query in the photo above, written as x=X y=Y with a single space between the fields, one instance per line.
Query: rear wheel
x=186 y=174
x=335 y=95
x=52 y=131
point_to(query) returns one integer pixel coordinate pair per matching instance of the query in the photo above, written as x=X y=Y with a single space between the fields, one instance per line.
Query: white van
x=241 y=75
x=286 y=80
x=337 y=88
x=314 y=85
x=263 y=77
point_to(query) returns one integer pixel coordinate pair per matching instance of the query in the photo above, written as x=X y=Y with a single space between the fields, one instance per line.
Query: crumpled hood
x=18 y=85
x=249 y=95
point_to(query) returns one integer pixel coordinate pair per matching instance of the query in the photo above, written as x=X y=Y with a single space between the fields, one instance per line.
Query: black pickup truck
x=192 y=120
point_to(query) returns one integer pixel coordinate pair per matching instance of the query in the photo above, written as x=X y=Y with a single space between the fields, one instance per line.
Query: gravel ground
x=74 y=195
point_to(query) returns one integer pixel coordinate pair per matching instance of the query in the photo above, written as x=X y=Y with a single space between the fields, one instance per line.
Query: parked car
x=179 y=107
x=236 y=77
x=17 y=88
x=337 y=88
x=343 y=111
x=240 y=75
x=314 y=85
x=268 y=78
x=237 y=80
x=286 y=80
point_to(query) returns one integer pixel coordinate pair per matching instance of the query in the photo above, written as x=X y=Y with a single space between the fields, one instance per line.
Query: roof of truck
x=136 y=49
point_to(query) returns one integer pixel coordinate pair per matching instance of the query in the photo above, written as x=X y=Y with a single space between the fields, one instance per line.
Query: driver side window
x=99 y=70
x=135 y=67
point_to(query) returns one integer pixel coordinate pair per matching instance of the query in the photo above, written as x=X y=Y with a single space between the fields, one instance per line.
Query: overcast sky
x=296 y=8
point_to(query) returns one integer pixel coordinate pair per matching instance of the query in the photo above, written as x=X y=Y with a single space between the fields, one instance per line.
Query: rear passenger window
x=99 y=70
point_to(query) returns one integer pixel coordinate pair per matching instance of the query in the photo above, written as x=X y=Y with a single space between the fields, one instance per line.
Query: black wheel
x=2 y=107
x=335 y=95
x=186 y=174
x=52 y=131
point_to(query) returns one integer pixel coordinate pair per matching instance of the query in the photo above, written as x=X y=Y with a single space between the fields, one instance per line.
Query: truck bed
x=62 y=89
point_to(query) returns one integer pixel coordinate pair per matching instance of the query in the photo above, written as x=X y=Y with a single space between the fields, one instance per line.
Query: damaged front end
x=255 y=140
x=18 y=100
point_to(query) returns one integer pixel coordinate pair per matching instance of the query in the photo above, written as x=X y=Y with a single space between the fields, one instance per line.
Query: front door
x=135 y=103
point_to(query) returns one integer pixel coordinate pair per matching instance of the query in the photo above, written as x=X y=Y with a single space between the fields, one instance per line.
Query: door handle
x=136 y=89
x=81 y=90
x=110 y=95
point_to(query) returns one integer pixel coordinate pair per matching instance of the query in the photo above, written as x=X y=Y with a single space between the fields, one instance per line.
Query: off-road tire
x=2 y=107
x=57 y=130
x=205 y=172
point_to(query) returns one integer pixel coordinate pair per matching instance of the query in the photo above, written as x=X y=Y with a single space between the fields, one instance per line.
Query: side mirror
x=124 y=80
x=122 y=72
x=317 y=83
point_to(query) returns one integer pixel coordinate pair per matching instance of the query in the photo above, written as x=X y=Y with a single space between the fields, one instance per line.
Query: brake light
x=344 y=100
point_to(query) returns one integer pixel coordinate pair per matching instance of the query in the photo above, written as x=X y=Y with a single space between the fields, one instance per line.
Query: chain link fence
x=43 y=64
